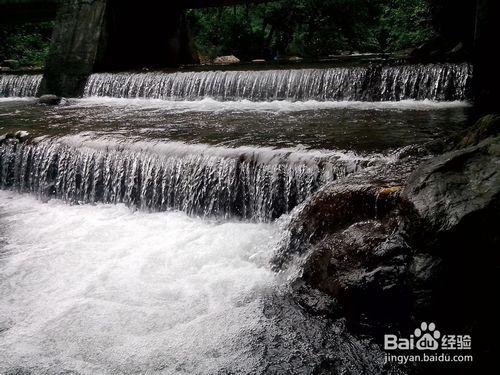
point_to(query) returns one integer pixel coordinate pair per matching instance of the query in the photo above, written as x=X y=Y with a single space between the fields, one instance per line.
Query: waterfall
x=12 y=85
x=370 y=83
x=252 y=183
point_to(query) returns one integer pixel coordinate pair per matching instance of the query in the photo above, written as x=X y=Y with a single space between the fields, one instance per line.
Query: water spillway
x=12 y=85
x=252 y=183
x=443 y=82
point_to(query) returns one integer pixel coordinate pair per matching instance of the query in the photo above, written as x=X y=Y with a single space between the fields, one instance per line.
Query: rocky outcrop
x=385 y=256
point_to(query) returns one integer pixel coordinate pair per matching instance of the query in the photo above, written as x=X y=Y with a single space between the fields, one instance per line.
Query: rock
x=4 y=69
x=8 y=138
x=226 y=60
x=332 y=209
x=452 y=224
x=258 y=61
x=387 y=255
x=485 y=127
x=49 y=99
x=363 y=267
x=11 y=63
x=204 y=59
x=457 y=193
x=18 y=137
x=22 y=135
x=295 y=58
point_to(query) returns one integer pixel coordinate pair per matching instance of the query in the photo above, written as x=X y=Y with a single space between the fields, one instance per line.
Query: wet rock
x=8 y=138
x=456 y=194
x=333 y=208
x=485 y=127
x=49 y=99
x=226 y=60
x=22 y=135
x=363 y=268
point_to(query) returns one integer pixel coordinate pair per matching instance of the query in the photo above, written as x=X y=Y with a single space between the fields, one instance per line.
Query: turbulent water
x=391 y=83
x=104 y=290
x=252 y=183
x=19 y=85
x=97 y=290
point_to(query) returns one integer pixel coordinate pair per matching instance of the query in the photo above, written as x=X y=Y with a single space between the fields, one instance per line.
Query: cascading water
x=19 y=85
x=372 y=83
x=99 y=288
x=253 y=183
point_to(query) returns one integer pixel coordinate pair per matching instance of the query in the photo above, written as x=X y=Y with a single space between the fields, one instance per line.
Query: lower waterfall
x=252 y=183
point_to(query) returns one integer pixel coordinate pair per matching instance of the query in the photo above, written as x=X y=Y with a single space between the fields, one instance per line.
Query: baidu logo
x=427 y=337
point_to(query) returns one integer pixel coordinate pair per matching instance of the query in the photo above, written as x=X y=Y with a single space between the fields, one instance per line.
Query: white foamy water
x=212 y=105
x=102 y=289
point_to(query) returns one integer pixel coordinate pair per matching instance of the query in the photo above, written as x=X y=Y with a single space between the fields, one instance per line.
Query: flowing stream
x=137 y=223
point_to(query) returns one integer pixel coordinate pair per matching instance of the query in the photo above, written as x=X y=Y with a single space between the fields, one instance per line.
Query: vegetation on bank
x=311 y=28
x=27 y=44
x=306 y=28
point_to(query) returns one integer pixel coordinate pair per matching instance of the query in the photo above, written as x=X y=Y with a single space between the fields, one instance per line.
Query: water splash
x=373 y=83
x=12 y=85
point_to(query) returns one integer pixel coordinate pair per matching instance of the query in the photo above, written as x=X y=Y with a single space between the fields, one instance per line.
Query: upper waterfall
x=443 y=82
x=12 y=85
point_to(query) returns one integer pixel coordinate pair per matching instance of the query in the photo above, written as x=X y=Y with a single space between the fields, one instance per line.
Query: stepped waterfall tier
x=19 y=85
x=373 y=83
x=442 y=82
x=252 y=183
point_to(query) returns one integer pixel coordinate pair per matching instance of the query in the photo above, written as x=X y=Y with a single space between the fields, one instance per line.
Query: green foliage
x=27 y=43
x=310 y=28
x=406 y=23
